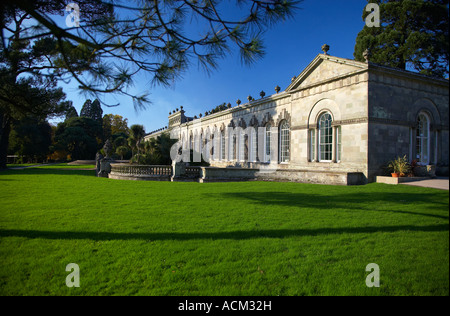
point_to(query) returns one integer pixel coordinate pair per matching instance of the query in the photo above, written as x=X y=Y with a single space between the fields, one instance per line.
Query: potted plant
x=412 y=166
x=399 y=167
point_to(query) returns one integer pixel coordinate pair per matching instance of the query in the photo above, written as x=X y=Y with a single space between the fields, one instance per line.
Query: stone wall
x=395 y=100
x=375 y=109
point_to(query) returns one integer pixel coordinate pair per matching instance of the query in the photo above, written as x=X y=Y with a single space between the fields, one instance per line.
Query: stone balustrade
x=140 y=172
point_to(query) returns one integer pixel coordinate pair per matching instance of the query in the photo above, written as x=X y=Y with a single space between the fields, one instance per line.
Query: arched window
x=423 y=139
x=222 y=145
x=212 y=147
x=284 y=141
x=267 y=143
x=191 y=142
x=253 y=144
x=325 y=137
x=234 y=147
x=242 y=139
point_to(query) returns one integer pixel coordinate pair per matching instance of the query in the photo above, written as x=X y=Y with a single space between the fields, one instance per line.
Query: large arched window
x=234 y=147
x=253 y=144
x=325 y=137
x=222 y=145
x=423 y=139
x=242 y=140
x=284 y=141
x=267 y=143
x=212 y=147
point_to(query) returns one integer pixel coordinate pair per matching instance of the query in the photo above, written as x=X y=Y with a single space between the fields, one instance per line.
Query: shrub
x=399 y=165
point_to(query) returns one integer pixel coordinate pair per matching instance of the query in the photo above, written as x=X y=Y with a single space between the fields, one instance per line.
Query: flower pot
x=395 y=175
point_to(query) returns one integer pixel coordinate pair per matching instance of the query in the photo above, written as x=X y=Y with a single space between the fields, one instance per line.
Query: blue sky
x=290 y=47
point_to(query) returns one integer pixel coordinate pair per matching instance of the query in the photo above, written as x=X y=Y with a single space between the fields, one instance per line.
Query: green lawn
x=249 y=238
x=67 y=166
x=16 y=165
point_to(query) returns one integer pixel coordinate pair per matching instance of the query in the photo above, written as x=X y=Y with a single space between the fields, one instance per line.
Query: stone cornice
x=373 y=120
x=319 y=58
x=380 y=69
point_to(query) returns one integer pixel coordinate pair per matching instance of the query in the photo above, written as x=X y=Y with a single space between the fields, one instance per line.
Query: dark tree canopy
x=80 y=137
x=71 y=112
x=413 y=35
x=32 y=138
x=92 y=110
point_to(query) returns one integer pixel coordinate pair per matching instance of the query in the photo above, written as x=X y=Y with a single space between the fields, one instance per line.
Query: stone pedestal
x=105 y=167
x=179 y=170
x=425 y=171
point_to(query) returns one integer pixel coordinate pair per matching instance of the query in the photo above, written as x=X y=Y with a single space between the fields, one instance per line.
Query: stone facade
x=338 y=122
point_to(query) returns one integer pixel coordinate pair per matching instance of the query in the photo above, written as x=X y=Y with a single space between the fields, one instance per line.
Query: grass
x=249 y=238
x=15 y=165
x=67 y=166
x=52 y=166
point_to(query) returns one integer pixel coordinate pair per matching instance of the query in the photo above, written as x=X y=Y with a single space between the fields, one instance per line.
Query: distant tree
x=86 y=109
x=157 y=150
x=122 y=151
x=79 y=137
x=92 y=110
x=71 y=112
x=137 y=133
x=31 y=63
x=22 y=97
x=31 y=137
x=120 y=141
x=114 y=124
x=413 y=35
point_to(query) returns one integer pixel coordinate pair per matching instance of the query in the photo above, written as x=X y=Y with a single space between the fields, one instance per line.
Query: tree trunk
x=5 y=130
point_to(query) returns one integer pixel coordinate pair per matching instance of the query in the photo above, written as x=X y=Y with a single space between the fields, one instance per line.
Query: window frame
x=419 y=139
x=284 y=141
x=328 y=137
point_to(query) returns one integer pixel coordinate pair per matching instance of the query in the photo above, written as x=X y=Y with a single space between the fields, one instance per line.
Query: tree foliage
x=116 y=124
x=413 y=35
x=92 y=110
x=137 y=133
x=157 y=150
x=117 y=39
x=80 y=137
x=32 y=138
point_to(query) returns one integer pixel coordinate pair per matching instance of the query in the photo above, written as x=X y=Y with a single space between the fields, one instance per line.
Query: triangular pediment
x=325 y=68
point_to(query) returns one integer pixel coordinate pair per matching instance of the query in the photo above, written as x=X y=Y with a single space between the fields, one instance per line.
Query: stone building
x=339 y=121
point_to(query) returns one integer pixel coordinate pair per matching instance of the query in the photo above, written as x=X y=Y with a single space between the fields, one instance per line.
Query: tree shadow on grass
x=365 y=201
x=233 y=235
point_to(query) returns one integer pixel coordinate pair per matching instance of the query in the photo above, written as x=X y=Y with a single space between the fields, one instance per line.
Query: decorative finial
x=325 y=48
x=366 y=55
x=238 y=102
x=249 y=98
x=229 y=105
x=262 y=94
x=277 y=89
x=293 y=78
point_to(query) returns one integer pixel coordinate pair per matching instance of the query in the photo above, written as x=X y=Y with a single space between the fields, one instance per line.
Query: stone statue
x=366 y=55
x=107 y=148
x=98 y=159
